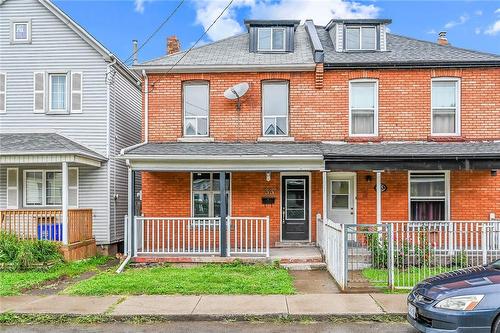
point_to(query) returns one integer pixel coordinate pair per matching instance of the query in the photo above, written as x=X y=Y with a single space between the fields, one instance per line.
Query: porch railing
x=46 y=224
x=201 y=236
x=333 y=246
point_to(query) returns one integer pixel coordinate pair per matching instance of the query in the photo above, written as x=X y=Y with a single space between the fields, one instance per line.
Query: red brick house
x=345 y=121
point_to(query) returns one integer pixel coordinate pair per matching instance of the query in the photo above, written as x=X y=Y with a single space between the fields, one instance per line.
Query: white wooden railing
x=333 y=246
x=201 y=236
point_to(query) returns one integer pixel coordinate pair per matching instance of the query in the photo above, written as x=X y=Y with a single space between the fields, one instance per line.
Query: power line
x=157 y=30
x=192 y=46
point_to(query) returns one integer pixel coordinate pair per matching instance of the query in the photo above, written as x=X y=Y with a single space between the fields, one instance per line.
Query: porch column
x=65 y=203
x=223 y=214
x=379 y=196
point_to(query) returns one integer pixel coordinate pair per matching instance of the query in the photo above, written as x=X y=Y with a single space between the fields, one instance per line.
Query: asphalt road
x=217 y=327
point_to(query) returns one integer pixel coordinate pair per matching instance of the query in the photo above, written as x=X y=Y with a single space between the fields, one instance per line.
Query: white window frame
x=271 y=49
x=3 y=94
x=359 y=28
x=211 y=195
x=194 y=83
x=457 y=105
x=74 y=91
x=44 y=187
x=13 y=38
x=447 y=188
x=66 y=101
x=12 y=187
x=375 y=111
x=287 y=134
x=42 y=91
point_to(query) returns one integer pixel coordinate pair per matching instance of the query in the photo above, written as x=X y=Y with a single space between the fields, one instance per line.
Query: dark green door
x=295 y=208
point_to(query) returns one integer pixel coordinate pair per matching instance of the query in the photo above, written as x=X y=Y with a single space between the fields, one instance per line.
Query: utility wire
x=156 y=31
x=192 y=46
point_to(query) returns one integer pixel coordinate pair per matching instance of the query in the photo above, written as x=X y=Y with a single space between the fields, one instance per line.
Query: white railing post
x=390 y=259
x=484 y=248
x=451 y=238
x=228 y=236
x=267 y=236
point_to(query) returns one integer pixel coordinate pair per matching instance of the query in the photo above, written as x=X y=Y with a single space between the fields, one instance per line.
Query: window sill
x=195 y=139
x=445 y=138
x=374 y=138
x=275 y=139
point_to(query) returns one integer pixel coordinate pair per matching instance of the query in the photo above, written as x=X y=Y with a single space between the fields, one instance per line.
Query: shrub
x=17 y=254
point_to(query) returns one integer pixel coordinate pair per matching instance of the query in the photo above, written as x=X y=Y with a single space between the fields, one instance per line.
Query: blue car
x=467 y=300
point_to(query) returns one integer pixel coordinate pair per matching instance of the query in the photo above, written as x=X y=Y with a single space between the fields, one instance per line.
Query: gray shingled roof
x=413 y=150
x=402 y=49
x=235 y=51
x=229 y=149
x=43 y=143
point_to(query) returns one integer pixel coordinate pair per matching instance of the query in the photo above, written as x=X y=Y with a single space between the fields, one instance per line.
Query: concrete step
x=313 y=266
x=294 y=244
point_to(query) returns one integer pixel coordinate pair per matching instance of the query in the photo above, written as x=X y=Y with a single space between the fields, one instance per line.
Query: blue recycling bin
x=50 y=231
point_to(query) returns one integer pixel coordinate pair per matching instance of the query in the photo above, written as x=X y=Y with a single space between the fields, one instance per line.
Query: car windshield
x=495 y=264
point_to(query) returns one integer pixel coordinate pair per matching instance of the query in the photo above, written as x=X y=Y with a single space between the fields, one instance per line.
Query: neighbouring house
x=346 y=122
x=67 y=108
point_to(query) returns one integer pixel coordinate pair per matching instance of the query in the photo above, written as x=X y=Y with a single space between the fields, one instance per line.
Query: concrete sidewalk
x=210 y=306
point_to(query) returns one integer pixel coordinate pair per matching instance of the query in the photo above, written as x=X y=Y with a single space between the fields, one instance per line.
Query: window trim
x=3 y=94
x=447 y=188
x=13 y=24
x=193 y=83
x=375 y=110
x=271 y=49
x=263 y=116
x=359 y=28
x=192 y=192
x=58 y=111
x=458 y=121
x=44 y=187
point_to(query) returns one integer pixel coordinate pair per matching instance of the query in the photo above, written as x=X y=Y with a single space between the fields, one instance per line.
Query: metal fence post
x=484 y=248
x=390 y=255
x=267 y=236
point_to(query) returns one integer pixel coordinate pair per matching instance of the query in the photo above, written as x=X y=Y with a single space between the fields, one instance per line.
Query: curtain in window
x=363 y=104
x=427 y=211
x=444 y=106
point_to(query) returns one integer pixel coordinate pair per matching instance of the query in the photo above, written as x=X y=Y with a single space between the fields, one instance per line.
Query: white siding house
x=55 y=78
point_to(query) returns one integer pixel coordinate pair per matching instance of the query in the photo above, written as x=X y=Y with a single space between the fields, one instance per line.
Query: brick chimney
x=173 y=45
x=442 y=40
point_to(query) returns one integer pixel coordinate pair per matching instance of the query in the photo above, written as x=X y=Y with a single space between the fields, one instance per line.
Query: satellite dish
x=236 y=91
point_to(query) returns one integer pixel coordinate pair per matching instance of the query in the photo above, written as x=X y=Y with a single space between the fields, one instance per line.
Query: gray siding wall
x=56 y=47
x=125 y=124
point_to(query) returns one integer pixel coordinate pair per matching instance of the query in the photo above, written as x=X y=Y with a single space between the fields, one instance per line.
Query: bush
x=17 y=254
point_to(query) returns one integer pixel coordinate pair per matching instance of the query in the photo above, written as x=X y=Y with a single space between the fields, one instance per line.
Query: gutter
x=225 y=68
x=409 y=65
x=146 y=106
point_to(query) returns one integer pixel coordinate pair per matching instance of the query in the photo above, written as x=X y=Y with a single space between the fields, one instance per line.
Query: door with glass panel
x=295 y=208
x=341 y=201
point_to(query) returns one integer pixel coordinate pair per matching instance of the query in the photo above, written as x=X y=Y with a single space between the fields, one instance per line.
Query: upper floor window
x=63 y=95
x=363 y=108
x=58 y=94
x=21 y=31
x=275 y=108
x=196 y=108
x=271 y=39
x=445 y=106
x=361 y=38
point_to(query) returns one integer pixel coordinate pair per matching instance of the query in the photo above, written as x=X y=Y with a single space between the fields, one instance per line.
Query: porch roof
x=413 y=155
x=191 y=156
x=21 y=148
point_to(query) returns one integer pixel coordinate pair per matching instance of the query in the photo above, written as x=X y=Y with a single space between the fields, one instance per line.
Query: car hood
x=478 y=279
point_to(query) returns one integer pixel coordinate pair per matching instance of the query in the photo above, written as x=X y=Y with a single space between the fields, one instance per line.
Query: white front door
x=342 y=198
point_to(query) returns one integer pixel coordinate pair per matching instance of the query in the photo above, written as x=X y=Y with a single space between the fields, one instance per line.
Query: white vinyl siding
x=3 y=92
x=275 y=108
x=363 y=108
x=39 y=92
x=76 y=92
x=445 y=106
x=196 y=108
x=12 y=188
x=271 y=39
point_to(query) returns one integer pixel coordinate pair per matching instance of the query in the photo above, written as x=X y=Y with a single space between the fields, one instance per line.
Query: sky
x=115 y=23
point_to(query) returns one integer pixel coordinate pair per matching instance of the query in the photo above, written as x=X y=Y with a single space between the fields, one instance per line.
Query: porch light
x=494 y=172
x=268 y=176
x=368 y=178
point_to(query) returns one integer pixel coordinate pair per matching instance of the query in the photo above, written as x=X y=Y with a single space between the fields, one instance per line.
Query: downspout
x=130 y=218
x=146 y=106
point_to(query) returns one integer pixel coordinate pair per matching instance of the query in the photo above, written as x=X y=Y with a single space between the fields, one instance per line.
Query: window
x=363 y=110
x=445 y=107
x=196 y=108
x=428 y=200
x=271 y=39
x=44 y=188
x=58 y=93
x=361 y=38
x=275 y=108
x=21 y=31
x=3 y=92
x=207 y=194
x=340 y=194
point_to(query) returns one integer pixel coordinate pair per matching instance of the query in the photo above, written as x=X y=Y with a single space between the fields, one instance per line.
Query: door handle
x=283 y=215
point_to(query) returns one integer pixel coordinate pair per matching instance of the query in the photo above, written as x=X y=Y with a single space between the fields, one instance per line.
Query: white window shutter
x=3 y=92
x=39 y=92
x=73 y=187
x=12 y=188
x=76 y=92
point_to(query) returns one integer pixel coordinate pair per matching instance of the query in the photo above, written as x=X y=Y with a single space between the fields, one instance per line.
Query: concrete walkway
x=210 y=306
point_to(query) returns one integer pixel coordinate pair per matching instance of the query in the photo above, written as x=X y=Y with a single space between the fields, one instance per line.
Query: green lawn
x=13 y=283
x=206 y=279
x=403 y=277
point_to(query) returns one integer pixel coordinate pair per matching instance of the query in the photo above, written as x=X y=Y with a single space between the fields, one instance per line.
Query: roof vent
x=442 y=40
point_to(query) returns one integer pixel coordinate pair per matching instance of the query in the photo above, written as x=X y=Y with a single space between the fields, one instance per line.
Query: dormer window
x=361 y=38
x=271 y=39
